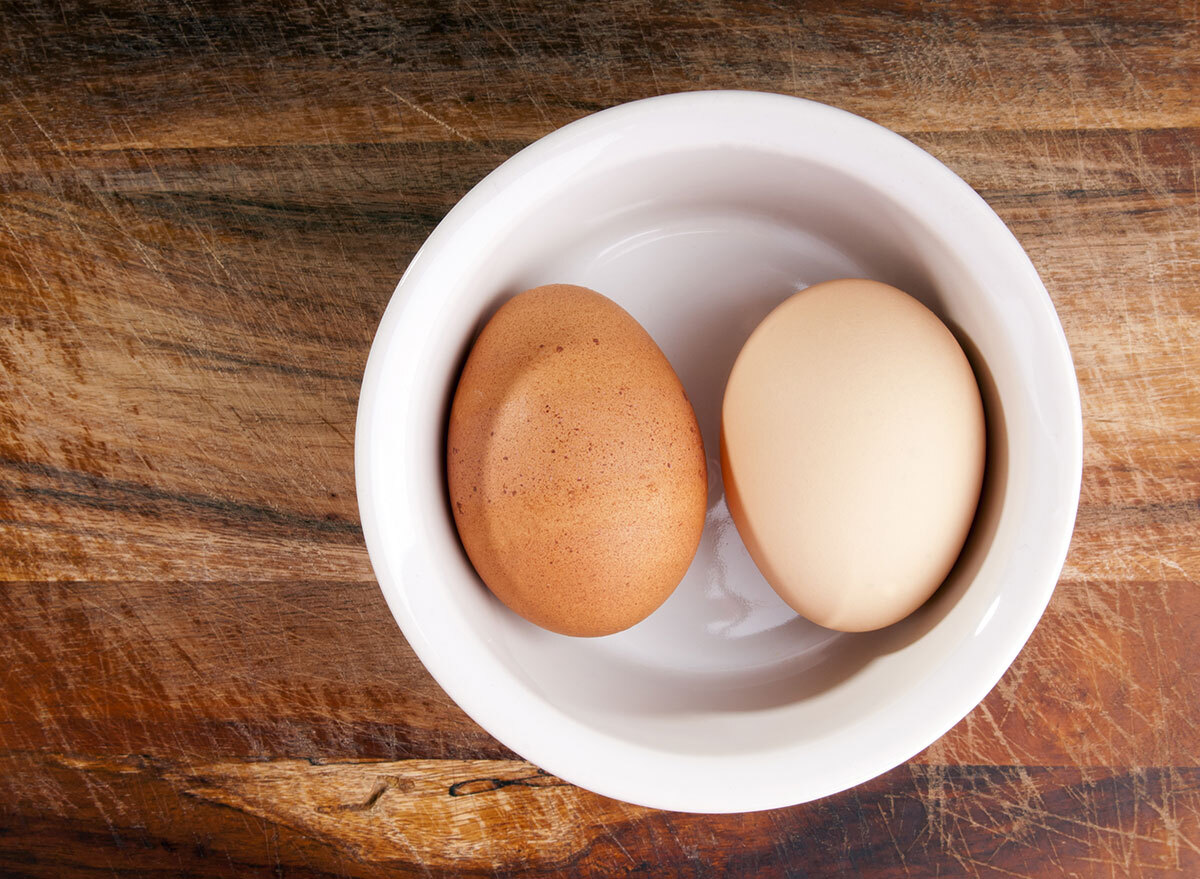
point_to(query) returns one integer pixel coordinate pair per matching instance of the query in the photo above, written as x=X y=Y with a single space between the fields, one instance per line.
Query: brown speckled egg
x=576 y=470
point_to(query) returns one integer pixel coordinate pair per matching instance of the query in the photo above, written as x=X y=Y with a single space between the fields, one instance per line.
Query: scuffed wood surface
x=438 y=817
x=203 y=212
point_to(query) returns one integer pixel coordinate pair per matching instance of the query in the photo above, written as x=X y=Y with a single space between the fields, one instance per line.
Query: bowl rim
x=635 y=773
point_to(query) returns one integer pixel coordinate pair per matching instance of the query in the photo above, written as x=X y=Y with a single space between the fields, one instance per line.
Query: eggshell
x=852 y=452
x=576 y=471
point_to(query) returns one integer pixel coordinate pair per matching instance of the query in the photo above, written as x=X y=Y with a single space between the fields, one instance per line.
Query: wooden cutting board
x=203 y=213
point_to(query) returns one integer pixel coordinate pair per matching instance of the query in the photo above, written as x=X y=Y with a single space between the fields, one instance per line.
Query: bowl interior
x=699 y=214
x=699 y=258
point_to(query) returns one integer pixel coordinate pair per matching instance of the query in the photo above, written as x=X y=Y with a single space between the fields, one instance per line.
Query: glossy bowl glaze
x=699 y=213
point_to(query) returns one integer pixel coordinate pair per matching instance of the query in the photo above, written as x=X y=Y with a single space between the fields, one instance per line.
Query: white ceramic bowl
x=698 y=213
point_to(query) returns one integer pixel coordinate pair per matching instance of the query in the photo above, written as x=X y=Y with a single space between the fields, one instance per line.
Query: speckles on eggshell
x=612 y=412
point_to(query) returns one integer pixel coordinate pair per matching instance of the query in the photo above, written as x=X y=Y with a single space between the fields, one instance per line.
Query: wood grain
x=203 y=211
x=424 y=817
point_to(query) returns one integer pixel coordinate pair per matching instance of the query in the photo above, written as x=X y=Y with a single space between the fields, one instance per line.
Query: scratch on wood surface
x=443 y=826
x=432 y=118
x=385 y=783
